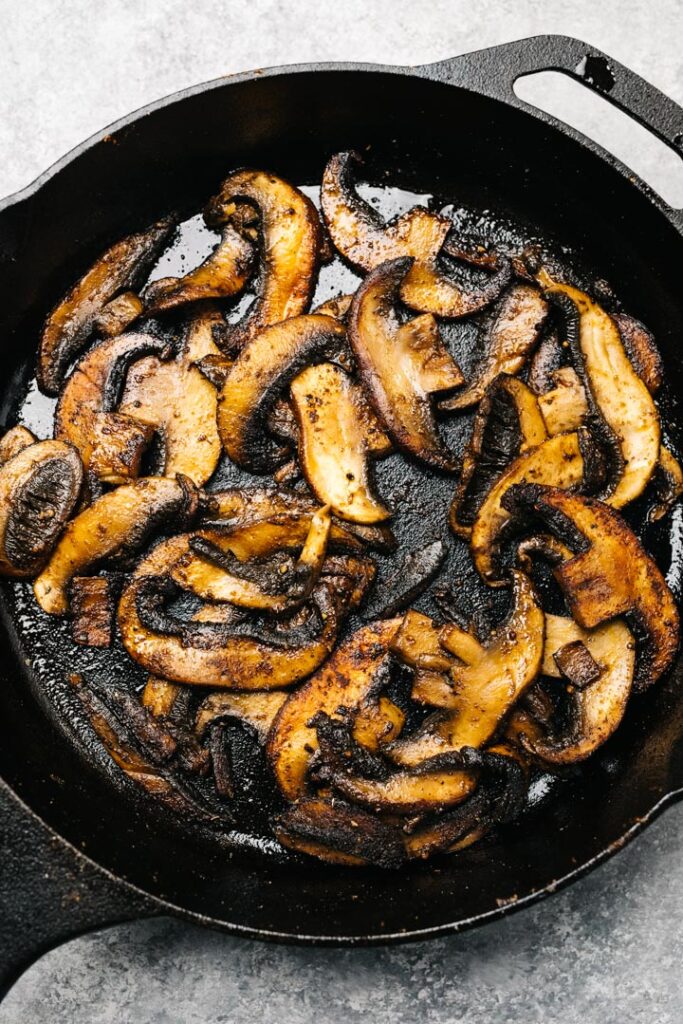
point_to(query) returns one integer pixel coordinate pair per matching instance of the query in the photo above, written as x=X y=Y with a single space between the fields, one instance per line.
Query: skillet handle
x=494 y=72
x=49 y=892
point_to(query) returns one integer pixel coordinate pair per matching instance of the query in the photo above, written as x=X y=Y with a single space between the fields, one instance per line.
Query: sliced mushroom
x=414 y=574
x=545 y=362
x=668 y=483
x=289 y=231
x=39 y=489
x=361 y=236
x=642 y=350
x=615 y=389
x=609 y=574
x=93 y=611
x=339 y=833
x=159 y=696
x=401 y=365
x=511 y=336
x=435 y=784
x=120 y=520
x=597 y=709
x=508 y=422
x=487 y=680
x=14 y=441
x=564 y=406
x=262 y=371
x=119 y=314
x=332 y=444
x=71 y=322
x=222 y=275
x=557 y=462
x=256 y=710
x=337 y=307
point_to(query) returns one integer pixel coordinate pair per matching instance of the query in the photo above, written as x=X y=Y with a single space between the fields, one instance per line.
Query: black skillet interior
x=429 y=137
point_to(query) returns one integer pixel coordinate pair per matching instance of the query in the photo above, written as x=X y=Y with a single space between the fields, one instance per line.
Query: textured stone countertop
x=606 y=951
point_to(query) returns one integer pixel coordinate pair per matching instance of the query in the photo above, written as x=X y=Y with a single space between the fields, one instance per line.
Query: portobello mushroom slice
x=597 y=708
x=401 y=365
x=609 y=574
x=289 y=231
x=668 y=483
x=615 y=389
x=353 y=676
x=642 y=350
x=262 y=371
x=557 y=462
x=93 y=611
x=564 y=407
x=119 y=314
x=366 y=241
x=511 y=336
x=338 y=833
x=222 y=275
x=160 y=697
x=256 y=710
x=488 y=679
x=435 y=784
x=39 y=489
x=508 y=422
x=14 y=441
x=71 y=322
x=333 y=449
x=119 y=521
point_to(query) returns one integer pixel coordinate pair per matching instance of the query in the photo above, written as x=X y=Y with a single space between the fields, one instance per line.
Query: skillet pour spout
x=69 y=867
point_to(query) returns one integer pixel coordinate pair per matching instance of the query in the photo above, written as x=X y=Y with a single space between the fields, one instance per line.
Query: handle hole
x=581 y=108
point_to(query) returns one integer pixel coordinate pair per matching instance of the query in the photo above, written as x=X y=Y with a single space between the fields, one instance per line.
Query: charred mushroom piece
x=339 y=833
x=337 y=307
x=511 y=336
x=160 y=697
x=333 y=448
x=255 y=710
x=119 y=314
x=508 y=422
x=557 y=462
x=401 y=365
x=616 y=392
x=39 y=489
x=14 y=441
x=289 y=231
x=609 y=574
x=597 y=708
x=93 y=611
x=435 y=784
x=564 y=407
x=668 y=484
x=642 y=350
x=119 y=521
x=262 y=371
x=414 y=574
x=71 y=322
x=364 y=239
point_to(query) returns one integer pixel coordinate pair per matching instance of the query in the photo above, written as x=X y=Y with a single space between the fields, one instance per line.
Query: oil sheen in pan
x=420 y=498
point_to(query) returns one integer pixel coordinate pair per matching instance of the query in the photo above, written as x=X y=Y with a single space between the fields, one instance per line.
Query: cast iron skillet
x=76 y=854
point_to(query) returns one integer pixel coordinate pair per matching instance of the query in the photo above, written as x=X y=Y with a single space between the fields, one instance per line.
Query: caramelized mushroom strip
x=159 y=696
x=84 y=414
x=93 y=611
x=564 y=406
x=401 y=365
x=487 y=678
x=209 y=652
x=609 y=574
x=642 y=350
x=39 y=489
x=668 y=484
x=119 y=521
x=14 y=441
x=118 y=314
x=616 y=391
x=363 y=238
x=333 y=449
x=262 y=371
x=511 y=336
x=352 y=678
x=557 y=462
x=222 y=275
x=508 y=422
x=174 y=401
x=289 y=241
x=338 y=833
x=255 y=710
x=596 y=708
x=435 y=784
x=71 y=322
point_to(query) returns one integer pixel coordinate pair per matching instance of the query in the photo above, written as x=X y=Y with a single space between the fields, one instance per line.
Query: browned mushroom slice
x=508 y=422
x=609 y=574
x=93 y=611
x=337 y=307
x=557 y=462
x=615 y=389
x=353 y=676
x=332 y=446
x=545 y=362
x=361 y=235
x=598 y=708
x=418 y=643
x=377 y=725
x=39 y=489
x=668 y=484
x=289 y=231
x=642 y=350
x=118 y=445
x=71 y=322
x=159 y=696
x=433 y=785
x=118 y=314
x=14 y=441
x=339 y=833
x=510 y=338
x=93 y=391
x=401 y=365
x=262 y=371
x=257 y=710
x=564 y=406
x=487 y=680
x=177 y=402
x=222 y=275
x=120 y=520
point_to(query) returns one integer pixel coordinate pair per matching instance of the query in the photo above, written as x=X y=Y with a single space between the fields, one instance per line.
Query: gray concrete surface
x=606 y=951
